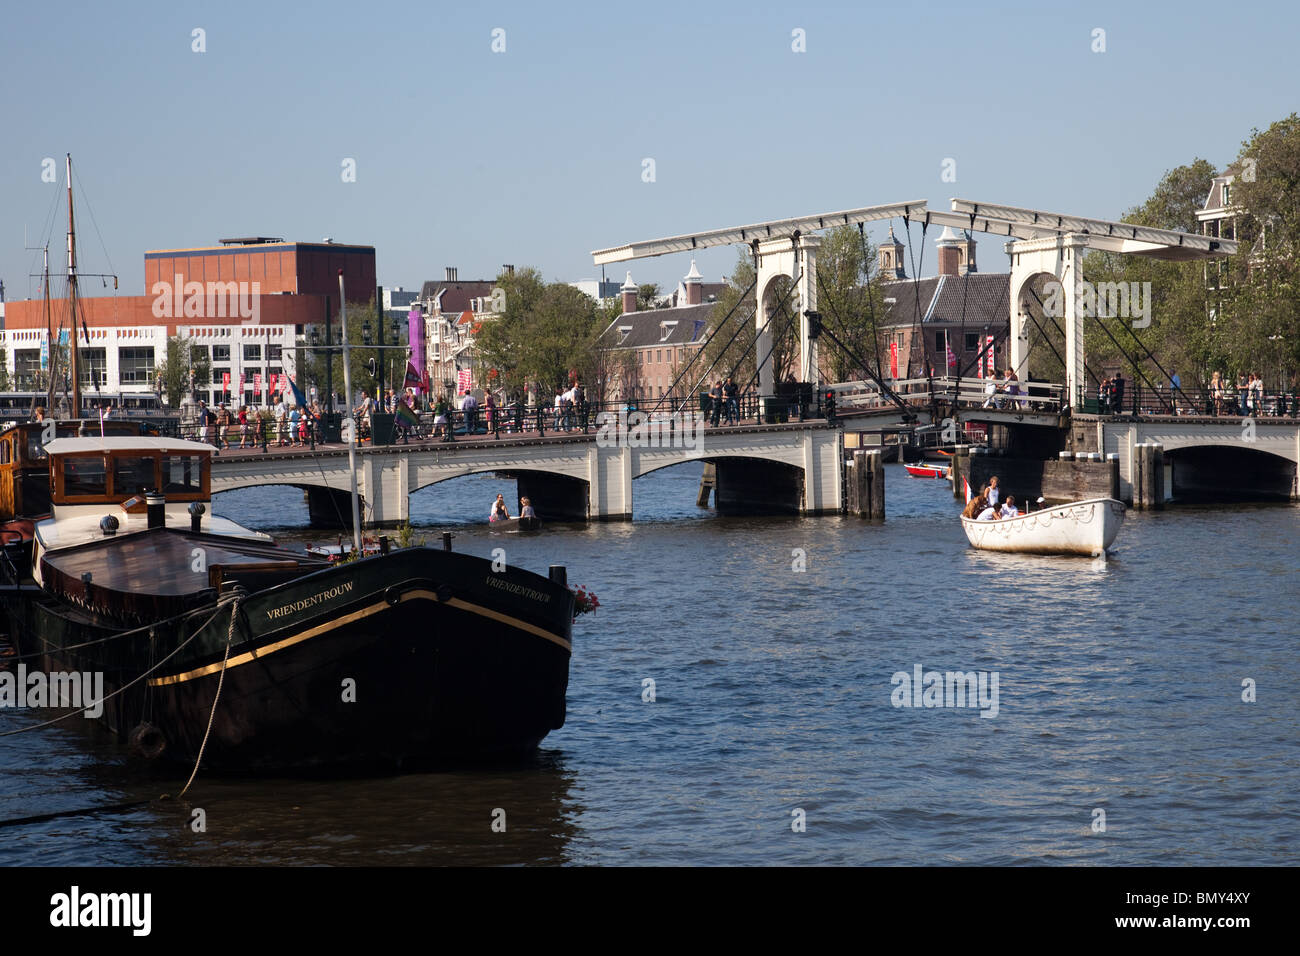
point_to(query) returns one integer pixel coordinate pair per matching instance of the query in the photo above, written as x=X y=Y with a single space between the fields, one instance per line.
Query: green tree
x=730 y=348
x=849 y=299
x=1263 y=308
x=647 y=295
x=173 y=371
x=4 y=370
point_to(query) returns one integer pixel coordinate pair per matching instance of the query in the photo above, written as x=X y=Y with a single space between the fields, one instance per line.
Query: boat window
x=132 y=476
x=35 y=450
x=182 y=474
x=84 y=476
x=4 y=452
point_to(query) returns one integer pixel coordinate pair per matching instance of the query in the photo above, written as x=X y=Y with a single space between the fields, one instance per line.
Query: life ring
x=147 y=741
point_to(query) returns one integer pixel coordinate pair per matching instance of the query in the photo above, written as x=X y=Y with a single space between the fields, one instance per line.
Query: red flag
x=893 y=360
x=412 y=377
x=257 y=385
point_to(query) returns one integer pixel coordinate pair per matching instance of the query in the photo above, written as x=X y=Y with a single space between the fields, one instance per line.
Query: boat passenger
x=526 y=509
x=1009 y=509
x=499 y=510
x=989 y=514
x=994 y=493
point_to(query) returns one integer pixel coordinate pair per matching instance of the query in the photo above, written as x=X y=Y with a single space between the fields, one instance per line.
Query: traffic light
x=830 y=404
x=373 y=368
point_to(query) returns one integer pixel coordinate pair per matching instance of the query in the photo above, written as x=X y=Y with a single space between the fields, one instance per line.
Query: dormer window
x=1227 y=195
x=666 y=329
x=623 y=332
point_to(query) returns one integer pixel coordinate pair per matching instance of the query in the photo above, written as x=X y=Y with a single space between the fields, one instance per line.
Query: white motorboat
x=1080 y=527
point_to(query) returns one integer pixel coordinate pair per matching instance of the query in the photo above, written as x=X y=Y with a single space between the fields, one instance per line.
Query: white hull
x=1080 y=527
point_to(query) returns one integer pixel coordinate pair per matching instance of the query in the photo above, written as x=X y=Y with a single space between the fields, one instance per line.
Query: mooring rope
x=133 y=682
x=221 y=679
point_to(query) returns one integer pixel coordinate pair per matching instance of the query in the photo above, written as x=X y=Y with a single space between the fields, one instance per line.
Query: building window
x=200 y=352
x=135 y=366
x=939 y=338
x=27 y=369
x=972 y=342
x=221 y=353
x=253 y=353
x=1227 y=195
x=92 y=366
x=272 y=352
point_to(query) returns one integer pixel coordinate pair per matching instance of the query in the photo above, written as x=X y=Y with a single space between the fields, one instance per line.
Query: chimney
x=508 y=269
x=451 y=274
x=693 y=286
x=629 y=294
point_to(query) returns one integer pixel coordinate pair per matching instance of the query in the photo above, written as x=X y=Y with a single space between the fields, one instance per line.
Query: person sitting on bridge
x=1009 y=509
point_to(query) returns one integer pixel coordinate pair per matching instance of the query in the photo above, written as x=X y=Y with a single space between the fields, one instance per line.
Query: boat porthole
x=393 y=596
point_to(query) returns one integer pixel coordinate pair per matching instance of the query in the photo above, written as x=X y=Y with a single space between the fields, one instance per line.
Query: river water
x=773 y=736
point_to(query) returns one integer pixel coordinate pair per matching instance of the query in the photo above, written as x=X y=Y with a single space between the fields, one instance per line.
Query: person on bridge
x=440 y=420
x=731 y=392
x=715 y=398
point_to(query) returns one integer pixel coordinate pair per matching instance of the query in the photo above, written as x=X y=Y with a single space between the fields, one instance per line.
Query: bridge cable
x=871 y=299
x=789 y=324
x=794 y=286
x=979 y=356
x=703 y=345
x=916 y=284
x=1050 y=343
x=1132 y=361
x=885 y=390
x=1157 y=364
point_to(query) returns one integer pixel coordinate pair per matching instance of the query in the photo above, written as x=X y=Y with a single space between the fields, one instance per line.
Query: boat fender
x=444 y=593
x=147 y=741
x=393 y=596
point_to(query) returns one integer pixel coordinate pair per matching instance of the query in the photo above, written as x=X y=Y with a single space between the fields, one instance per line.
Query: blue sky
x=533 y=156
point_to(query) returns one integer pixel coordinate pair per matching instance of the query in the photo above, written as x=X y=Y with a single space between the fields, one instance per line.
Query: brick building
x=247 y=303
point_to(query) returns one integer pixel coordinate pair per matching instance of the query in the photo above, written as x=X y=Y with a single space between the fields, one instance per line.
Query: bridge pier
x=554 y=497
x=329 y=508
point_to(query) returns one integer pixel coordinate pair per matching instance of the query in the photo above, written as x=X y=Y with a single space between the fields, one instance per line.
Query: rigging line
x=997 y=338
x=86 y=200
x=874 y=376
x=705 y=344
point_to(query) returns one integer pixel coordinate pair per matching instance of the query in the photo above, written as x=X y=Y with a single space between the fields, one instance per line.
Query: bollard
x=876 y=463
x=560 y=575
x=446 y=541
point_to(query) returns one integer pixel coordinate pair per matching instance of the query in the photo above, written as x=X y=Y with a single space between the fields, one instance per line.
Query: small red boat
x=927 y=471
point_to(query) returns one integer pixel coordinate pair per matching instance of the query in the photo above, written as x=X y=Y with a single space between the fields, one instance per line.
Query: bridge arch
x=1223 y=471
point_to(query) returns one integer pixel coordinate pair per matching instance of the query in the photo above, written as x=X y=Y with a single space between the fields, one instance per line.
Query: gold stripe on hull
x=245 y=658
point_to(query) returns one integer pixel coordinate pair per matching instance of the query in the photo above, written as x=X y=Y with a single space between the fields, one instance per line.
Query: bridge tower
x=796 y=258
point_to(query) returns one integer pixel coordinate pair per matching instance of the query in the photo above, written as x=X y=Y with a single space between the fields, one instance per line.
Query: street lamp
x=367 y=333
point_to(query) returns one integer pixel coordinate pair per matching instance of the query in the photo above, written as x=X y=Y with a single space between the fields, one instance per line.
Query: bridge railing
x=1226 y=402
x=969 y=392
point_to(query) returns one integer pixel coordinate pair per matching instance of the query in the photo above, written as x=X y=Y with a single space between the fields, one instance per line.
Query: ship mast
x=72 y=302
x=51 y=360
